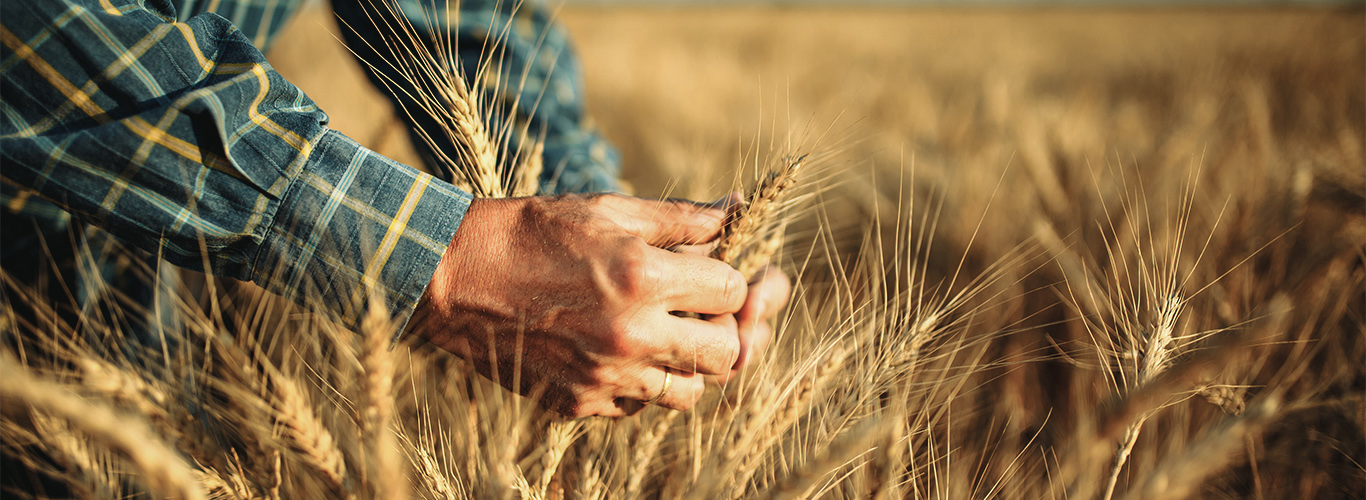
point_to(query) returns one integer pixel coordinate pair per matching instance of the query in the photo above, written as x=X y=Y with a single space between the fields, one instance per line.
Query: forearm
x=181 y=140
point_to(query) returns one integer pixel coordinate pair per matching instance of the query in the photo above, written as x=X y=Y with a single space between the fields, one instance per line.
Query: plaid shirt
x=166 y=126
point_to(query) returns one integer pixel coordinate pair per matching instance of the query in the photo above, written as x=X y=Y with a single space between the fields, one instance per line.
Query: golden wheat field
x=1037 y=253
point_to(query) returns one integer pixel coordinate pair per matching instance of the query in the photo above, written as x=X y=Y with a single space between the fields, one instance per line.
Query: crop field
x=1036 y=253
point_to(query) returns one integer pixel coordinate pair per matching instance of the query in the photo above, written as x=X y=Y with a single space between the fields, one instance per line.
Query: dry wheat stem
x=227 y=486
x=1154 y=358
x=443 y=94
x=528 y=171
x=92 y=472
x=434 y=478
x=153 y=400
x=853 y=443
x=767 y=427
x=1180 y=477
x=161 y=467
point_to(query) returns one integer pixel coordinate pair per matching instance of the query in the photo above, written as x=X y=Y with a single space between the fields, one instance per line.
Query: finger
x=703 y=249
x=767 y=295
x=729 y=203
x=755 y=338
x=596 y=403
x=705 y=346
x=612 y=409
x=682 y=391
x=701 y=284
x=754 y=341
x=666 y=223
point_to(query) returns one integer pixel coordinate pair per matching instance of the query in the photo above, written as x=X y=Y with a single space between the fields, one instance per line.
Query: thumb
x=668 y=223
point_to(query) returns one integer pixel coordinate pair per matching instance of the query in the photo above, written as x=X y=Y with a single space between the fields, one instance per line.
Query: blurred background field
x=681 y=88
x=1079 y=132
x=1094 y=162
x=1042 y=252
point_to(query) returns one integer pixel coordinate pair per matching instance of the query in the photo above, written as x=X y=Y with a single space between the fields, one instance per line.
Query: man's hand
x=767 y=295
x=571 y=297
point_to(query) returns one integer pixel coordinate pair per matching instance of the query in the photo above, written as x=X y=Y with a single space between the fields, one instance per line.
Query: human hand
x=576 y=293
x=768 y=293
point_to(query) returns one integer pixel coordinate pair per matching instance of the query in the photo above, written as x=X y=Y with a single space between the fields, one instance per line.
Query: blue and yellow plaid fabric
x=163 y=123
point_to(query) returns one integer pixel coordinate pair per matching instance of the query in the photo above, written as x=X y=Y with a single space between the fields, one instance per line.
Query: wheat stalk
x=1180 y=476
x=768 y=422
x=92 y=472
x=1154 y=357
x=839 y=453
x=442 y=94
x=230 y=485
x=160 y=466
x=527 y=174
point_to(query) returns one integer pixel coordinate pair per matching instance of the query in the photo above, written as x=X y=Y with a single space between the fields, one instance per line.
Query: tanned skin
x=589 y=299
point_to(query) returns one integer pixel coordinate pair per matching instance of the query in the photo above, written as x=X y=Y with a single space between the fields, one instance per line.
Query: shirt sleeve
x=181 y=140
x=531 y=78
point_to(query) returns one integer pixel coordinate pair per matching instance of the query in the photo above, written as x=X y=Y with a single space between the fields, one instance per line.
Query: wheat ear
x=1155 y=356
x=646 y=446
x=88 y=471
x=526 y=177
x=442 y=94
x=304 y=432
x=378 y=412
x=758 y=440
x=747 y=223
x=558 y=438
x=162 y=469
x=231 y=485
x=151 y=399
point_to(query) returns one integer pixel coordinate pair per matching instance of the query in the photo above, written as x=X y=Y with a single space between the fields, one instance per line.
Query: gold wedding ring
x=668 y=379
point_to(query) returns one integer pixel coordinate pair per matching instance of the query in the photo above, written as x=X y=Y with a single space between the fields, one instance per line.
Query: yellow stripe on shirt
x=54 y=77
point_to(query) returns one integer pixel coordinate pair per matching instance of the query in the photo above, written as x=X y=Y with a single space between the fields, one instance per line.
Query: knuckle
x=569 y=406
x=633 y=273
x=602 y=200
x=717 y=353
x=736 y=290
x=587 y=400
x=688 y=398
x=730 y=353
x=624 y=341
x=600 y=408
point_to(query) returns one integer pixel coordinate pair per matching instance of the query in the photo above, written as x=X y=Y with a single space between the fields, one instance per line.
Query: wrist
x=468 y=272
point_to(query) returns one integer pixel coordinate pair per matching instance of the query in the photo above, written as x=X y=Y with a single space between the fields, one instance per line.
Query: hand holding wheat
x=571 y=298
x=769 y=286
